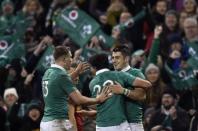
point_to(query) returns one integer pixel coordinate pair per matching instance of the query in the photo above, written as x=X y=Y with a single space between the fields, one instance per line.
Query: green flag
x=10 y=48
x=183 y=78
x=193 y=51
x=46 y=59
x=77 y=24
x=6 y=24
x=107 y=40
x=131 y=21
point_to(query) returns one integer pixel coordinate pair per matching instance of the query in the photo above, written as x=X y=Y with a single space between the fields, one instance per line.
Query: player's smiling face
x=118 y=60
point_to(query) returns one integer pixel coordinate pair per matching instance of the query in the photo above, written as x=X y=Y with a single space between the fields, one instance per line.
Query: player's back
x=111 y=112
x=53 y=94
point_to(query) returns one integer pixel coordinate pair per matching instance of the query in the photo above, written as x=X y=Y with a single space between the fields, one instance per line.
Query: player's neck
x=59 y=63
x=126 y=68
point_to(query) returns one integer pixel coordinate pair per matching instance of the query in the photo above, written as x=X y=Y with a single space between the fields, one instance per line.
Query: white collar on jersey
x=126 y=68
x=59 y=67
x=101 y=71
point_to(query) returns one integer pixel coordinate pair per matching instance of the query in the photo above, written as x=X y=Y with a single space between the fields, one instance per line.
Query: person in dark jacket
x=169 y=116
x=32 y=118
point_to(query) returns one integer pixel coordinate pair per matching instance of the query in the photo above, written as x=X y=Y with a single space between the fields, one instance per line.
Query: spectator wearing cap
x=10 y=96
x=169 y=116
x=14 y=111
x=152 y=73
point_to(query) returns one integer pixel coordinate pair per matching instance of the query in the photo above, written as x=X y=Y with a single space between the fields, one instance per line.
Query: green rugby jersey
x=56 y=86
x=134 y=108
x=112 y=111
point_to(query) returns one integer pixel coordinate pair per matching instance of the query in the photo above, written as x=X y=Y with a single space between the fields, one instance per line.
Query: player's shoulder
x=136 y=72
x=93 y=82
x=56 y=73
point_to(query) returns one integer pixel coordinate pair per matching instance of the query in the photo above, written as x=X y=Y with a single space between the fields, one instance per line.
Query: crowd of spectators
x=163 y=44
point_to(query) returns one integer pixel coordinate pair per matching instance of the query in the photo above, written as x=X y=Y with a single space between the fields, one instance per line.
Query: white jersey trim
x=101 y=71
x=126 y=69
x=59 y=67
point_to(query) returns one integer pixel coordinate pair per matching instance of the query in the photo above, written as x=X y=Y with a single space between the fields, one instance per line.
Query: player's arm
x=76 y=97
x=71 y=112
x=82 y=67
x=138 y=82
x=89 y=113
x=138 y=94
x=134 y=81
x=79 y=99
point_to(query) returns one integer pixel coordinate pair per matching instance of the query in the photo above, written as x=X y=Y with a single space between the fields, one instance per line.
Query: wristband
x=126 y=92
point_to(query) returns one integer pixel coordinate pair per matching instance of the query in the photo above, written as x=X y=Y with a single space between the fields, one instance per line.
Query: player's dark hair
x=60 y=51
x=99 y=61
x=123 y=49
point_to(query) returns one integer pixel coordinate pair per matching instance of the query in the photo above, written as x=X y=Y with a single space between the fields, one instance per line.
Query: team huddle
x=118 y=94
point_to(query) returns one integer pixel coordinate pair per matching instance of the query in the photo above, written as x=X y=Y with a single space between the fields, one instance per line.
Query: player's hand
x=116 y=88
x=29 y=78
x=82 y=67
x=89 y=113
x=158 y=30
x=104 y=95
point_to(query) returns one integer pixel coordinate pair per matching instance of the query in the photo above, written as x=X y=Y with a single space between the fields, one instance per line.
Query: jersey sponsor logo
x=3 y=44
x=45 y=88
x=73 y=15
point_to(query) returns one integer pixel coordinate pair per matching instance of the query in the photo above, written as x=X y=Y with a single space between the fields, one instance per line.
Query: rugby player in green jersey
x=120 y=60
x=111 y=114
x=57 y=87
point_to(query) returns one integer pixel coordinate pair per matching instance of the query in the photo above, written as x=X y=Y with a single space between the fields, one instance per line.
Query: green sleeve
x=138 y=73
x=66 y=84
x=152 y=58
x=141 y=75
x=127 y=79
